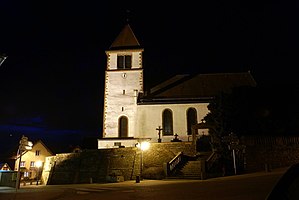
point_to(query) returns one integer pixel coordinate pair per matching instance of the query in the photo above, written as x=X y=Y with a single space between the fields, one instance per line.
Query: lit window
x=32 y=163
x=26 y=174
x=37 y=152
x=22 y=164
x=167 y=122
x=124 y=62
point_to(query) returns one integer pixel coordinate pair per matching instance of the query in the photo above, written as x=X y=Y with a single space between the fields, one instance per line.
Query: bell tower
x=123 y=82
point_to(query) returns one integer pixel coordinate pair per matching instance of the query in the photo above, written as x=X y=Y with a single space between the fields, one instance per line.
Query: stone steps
x=191 y=167
x=191 y=170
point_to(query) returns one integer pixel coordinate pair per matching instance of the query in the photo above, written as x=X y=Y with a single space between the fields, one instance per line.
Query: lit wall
x=30 y=156
x=150 y=118
x=121 y=89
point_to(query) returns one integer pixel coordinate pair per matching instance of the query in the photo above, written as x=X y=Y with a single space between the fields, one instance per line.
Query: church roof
x=195 y=88
x=126 y=39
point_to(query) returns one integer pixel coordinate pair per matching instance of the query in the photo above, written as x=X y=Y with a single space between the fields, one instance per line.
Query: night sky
x=54 y=74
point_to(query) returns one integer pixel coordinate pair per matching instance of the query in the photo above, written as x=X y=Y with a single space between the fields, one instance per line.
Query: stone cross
x=159 y=129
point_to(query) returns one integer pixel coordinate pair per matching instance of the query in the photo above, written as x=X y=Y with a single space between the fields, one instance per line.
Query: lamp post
x=25 y=145
x=233 y=143
x=143 y=146
x=38 y=165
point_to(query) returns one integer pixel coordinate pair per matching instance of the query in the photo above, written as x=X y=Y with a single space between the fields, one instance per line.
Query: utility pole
x=24 y=145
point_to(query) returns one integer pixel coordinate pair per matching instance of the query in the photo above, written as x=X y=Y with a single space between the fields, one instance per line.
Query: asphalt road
x=249 y=186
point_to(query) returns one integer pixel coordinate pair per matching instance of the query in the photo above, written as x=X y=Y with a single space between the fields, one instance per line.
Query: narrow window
x=37 y=152
x=135 y=93
x=123 y=126
x=32 y=164
x=120 y=62
x=191 y=119
x=26 y=174
x=128 y=62
x=167 y=122
x=124 y=62
x=22 y=164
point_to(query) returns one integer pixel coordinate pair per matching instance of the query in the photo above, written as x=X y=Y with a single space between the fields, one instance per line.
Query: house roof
x=46 y=147
x=125 y=40
x=4 y=165
x=195 y=88
x=34 y=144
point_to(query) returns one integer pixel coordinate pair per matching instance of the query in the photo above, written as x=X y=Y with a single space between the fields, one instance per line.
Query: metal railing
x=171 y=165
x=211 y=159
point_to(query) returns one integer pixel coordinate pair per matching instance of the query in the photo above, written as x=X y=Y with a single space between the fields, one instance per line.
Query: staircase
x=191 y=170
x=191 y=167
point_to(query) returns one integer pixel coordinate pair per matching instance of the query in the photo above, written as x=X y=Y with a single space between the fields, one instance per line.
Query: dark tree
x=243 y=111
x=230 y=113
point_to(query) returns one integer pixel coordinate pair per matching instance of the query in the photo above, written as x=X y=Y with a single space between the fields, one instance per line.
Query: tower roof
x=125 y=40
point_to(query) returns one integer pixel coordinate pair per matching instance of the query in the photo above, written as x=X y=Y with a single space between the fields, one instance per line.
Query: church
x=163 y=113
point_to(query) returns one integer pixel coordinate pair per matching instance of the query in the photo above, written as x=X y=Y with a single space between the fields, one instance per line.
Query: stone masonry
x=110 y=164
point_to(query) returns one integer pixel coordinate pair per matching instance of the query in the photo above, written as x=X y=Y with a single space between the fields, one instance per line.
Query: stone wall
x=261 y=153
x=107 y=164
x=8 y=178
x=91 y=166
x=266 y=153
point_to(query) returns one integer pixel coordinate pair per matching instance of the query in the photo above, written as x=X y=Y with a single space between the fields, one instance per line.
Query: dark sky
x=56 y=51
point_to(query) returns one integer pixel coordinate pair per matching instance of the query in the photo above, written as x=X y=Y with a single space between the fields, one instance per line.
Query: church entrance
x=123 y=127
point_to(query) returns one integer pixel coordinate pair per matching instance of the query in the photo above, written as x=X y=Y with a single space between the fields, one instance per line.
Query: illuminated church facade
x=166 y=111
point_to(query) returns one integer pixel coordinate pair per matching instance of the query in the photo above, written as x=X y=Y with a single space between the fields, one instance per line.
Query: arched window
x=167 y=122
x=191 y=119
x=123 y=126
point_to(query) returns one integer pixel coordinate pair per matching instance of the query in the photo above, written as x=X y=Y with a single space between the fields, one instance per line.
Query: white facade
x=122 y=86
x=127 y=121
x=121 y=90
x=150 y=118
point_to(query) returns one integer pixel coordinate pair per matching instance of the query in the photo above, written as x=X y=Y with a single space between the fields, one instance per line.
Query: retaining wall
x=264 y=153
x=115 y=164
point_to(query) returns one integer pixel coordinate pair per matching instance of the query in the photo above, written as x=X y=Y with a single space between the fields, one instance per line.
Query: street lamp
x=38 y=165
x=143 y=146
x=2 y=58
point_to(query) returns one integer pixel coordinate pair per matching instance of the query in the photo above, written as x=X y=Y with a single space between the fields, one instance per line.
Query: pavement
x=34 y=188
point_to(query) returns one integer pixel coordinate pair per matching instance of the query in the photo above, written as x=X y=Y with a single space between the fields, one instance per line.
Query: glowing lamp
x=38 y=164
x=144 y=146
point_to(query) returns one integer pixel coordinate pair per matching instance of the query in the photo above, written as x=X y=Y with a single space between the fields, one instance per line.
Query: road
x=249 y=186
